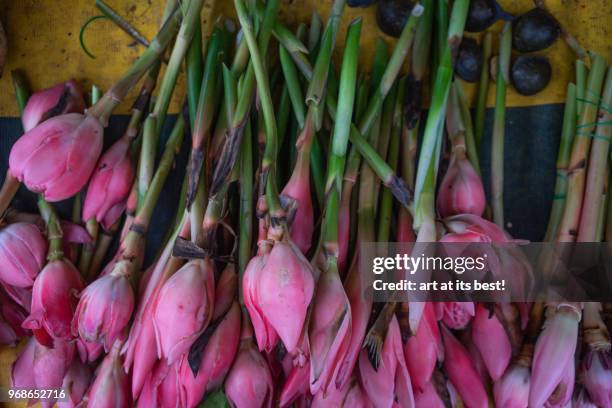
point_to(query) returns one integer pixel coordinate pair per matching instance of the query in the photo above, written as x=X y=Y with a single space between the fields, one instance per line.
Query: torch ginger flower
x=110 y=185
x=183 y=309
x=512 y=389
x=389 y=385
x=461 y=190
x=278 y=288
x=66 y=97
x=249 y=382
x=57 y=157
x=104 y=310
x=492 y=342
x=298 y=190
x=462 y=373
x=76 y=383
x=554 y=350
x=216 y=360
x=329 y=333
x=54 y=300
x=23 y=251
x=111 y=387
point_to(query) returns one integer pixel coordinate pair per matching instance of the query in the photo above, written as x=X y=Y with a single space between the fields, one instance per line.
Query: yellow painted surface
x=43 y=38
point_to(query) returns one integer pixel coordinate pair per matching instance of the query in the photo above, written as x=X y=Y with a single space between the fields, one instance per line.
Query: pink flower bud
x=41 y=367
x=104 y=309
x=512 y=389
x=462 y=373
x=562 y=395
x=54 y=300
x=23 y=251
x=360 y=314
x=143 y=353
x=298 y=190
x=225 y=292
x=390 y=384
x=66 y=97
x=457 y=315
x=76 y=383
x=110 y=185
x=21 y=296
x=284 y=290
x=12 y=316
x=183 y=309
x=57 y=157
x=264 y=332
x=162 y=387
x=295 y=385
x=249 y=382
x=597 y=377
x=111 y=387
x=89 y=351
x=461 y=190
x=427 y=397
x=554 y=348
x=329 y=333
x=491 y=339
x=424 y=349
x=216 y=360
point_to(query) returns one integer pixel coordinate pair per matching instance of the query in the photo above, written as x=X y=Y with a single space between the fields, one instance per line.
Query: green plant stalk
x=54 y=231
x=120 y=89
x=424 y=212
x=483 y=88
x=194 y=62
x=340 y=138
x=401 y=50
x=263 y=88
x=146 y=163
x=422 y=42
x=314 y=33
x=386 y=202
x=245 y=235
x=184 y=38
x=597 y=173
x=440 y=34
x=603 y=209
x=246 y=91
x=608 y=226
x=284 y=118
x=282 y=34
x=293 y=85
x=499 y=125
x=318 y=81
x=386 y=129
x=132 y=246
x=22 y=92
x=466 y=118
x=565 y=146
x=568 y=228
x=581 y=77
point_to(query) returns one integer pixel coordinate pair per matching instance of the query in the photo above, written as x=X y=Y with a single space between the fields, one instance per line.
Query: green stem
x=120 y=89
x=402 y=47
x=597 y=173
x=340 y=138
x=483 y=88
x=245 y=235
x=499 y=125
x=424 y=212
x=194 y=62
x=386 y=129
x=581 y=76
x=314 y=33
x=183 y=40
x=563 y=155
x=293 y=85
x=466 y=117
x=121 y=22
x=146 y=164
x=568 y=228
x=22 y=92
x=54 y=231
x=386 y=202
x=263 y=87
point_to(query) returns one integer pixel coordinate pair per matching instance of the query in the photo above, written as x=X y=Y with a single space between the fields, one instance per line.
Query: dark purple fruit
x=534 y=31
x=469 y=60
x=391 y=15
x=360 y=3
x=530 y=74
x=483 y=13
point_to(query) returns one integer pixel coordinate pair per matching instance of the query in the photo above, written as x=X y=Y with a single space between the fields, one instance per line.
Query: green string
x=81 y=40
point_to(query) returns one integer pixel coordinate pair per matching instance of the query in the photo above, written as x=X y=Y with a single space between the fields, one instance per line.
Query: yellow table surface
x=43 y=38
